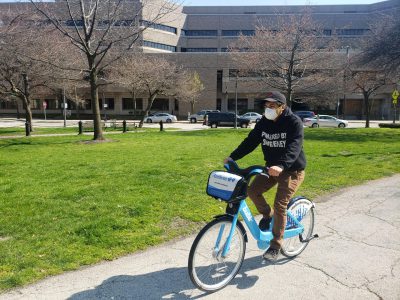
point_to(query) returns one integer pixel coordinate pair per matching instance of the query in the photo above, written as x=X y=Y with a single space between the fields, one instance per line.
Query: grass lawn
x=18 y=131
x=65 y=203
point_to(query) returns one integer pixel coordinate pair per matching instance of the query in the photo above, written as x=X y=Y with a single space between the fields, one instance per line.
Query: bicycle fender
x=239 y=224
x=295 y=199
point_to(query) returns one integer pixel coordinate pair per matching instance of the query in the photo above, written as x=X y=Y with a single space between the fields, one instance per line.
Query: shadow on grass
x=5 y=143
x=172 y=283
x=349 y=135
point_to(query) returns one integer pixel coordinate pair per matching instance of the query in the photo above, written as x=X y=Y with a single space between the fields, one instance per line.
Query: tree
x=366 y=80
x=102 y=32
x=150 y=75
x=190 y=89
x=382 y=47
x=21 y=76
x=291 y=58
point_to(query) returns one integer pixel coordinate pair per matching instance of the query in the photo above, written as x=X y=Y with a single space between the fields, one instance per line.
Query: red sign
x=44 y=104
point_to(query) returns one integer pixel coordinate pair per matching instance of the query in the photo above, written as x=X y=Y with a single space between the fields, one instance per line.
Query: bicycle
x=218 y=250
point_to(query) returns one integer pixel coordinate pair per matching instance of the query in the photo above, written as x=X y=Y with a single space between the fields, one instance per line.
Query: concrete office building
x=198 y=38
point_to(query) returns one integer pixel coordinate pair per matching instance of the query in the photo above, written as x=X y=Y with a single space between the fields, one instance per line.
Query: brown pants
x=288 y=183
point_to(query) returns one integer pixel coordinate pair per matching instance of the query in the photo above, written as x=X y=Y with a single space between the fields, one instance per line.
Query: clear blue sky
x=272 y=2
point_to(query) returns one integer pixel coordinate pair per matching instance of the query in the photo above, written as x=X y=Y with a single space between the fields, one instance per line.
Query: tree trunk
x=28 y=113
x=94 y=92
x=150 y=101
x=192 y=107
x=367 y=109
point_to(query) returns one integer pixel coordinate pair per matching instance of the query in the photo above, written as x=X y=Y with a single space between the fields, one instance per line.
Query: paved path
x=356 y=257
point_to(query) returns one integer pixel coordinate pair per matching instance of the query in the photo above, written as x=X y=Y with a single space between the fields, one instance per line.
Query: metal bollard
x=161 y=126
x=27 y=129
x=124 y=126
x=80 y=127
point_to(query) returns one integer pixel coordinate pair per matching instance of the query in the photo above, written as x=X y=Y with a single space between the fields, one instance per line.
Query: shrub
x=389 y=125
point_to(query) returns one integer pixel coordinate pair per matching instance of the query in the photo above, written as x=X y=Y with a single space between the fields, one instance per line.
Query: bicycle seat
x=232 y=167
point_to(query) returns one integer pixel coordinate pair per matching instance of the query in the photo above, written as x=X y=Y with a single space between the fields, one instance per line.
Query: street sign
x=44 y=104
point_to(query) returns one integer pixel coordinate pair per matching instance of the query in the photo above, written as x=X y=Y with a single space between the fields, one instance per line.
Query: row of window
x=125 y=23
x=159 y=46
x=199 y=49
x=233 y=33
x=159 y=26
x=104 y=104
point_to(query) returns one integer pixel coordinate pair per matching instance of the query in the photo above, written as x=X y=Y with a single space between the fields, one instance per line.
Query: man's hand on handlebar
x=274 y=170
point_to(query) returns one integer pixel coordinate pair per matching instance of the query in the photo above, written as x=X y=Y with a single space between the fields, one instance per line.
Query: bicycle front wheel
x=303 y=210
x=208 y=269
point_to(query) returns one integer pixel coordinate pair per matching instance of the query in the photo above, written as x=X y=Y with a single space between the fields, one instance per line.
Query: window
x=241 y=105
x=327 y=32
x=219 y=104
x=158 y=26
x=109 y=103
x=199 y=49
x=35 y=104
x=200 y=32
x=159 y=46
x=352 y=31
x=238 y=32
x=73 y=23
x=88 y=104
x=51 y=103
x=8 y=104
x=128 y=103
x=160 y=104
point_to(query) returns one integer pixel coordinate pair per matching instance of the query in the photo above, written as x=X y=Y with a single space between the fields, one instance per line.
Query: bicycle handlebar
x=233 y=167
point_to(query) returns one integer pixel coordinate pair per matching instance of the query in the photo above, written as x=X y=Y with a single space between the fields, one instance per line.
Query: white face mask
x=270 y=113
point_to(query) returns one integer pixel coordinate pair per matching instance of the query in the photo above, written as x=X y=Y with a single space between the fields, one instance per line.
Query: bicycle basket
x=226 y=186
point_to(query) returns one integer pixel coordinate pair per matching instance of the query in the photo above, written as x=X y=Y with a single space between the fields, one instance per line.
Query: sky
x=272 y=2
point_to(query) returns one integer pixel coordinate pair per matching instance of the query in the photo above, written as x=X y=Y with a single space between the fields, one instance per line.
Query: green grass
x=65 y=203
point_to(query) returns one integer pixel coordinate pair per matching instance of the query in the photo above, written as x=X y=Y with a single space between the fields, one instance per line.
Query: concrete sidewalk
x=356 y=257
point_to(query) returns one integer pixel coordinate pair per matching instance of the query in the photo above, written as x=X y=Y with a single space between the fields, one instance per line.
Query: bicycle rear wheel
x=208 y=270
x=303 y=210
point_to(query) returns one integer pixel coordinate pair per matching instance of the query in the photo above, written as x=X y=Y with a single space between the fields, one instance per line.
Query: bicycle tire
x=207 y=269
x=303 y=209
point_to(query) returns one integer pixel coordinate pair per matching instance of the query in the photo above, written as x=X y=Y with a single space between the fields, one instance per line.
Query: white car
x=167 y=118
x=200 y=115
x=252 y=116
x=325 y=121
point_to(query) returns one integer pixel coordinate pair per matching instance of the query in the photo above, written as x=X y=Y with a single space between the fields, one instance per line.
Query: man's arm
x=294 y=145
x=249 y=143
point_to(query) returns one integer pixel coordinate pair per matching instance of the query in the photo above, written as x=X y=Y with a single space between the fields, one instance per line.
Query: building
x=198 y=38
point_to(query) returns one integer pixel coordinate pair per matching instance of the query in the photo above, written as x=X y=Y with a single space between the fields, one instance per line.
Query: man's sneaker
x=271 y=254
x=264 y=224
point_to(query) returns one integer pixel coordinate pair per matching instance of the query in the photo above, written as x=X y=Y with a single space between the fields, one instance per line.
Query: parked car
x=200 y=115
x=325 y=121
x=215 y=119
x=167 y=118
x=304 y=114
x=252 y=116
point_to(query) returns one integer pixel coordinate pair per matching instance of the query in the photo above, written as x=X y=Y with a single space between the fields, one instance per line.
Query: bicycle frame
x=263 y=238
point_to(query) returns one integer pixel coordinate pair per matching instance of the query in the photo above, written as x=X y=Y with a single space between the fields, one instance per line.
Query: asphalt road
x=356 y=257
x=184 y=125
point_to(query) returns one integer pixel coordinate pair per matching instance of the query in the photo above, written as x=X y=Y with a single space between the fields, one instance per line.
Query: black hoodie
x=281 y=142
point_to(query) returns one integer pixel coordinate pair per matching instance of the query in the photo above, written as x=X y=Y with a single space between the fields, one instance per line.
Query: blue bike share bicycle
x=217 y=252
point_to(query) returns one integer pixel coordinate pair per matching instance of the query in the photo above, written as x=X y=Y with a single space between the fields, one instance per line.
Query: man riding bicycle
x=281 y=135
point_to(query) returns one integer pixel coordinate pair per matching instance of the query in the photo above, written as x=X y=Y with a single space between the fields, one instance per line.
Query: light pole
x=64 y=108
x=344 y=83
x=236 y=87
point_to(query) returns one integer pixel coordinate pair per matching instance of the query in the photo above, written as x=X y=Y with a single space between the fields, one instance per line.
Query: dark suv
x=304 y=114
x=215 y=119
